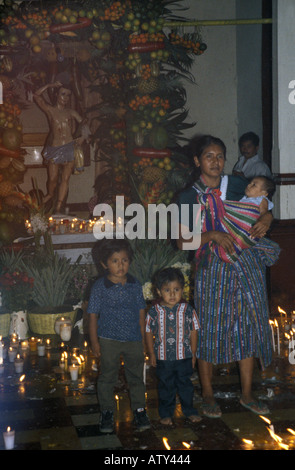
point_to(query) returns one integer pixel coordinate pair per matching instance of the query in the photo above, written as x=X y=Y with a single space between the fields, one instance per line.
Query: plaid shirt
x=172 y=329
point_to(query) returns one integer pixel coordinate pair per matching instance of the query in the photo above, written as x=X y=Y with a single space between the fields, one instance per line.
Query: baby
x=258 y=191
x=237 y=217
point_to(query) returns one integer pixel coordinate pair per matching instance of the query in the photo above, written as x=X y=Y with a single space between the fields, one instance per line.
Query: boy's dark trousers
x=132 y=353
x=175 y=377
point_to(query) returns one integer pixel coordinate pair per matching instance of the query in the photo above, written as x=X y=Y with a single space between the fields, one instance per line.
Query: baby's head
x=260 y=186
x=169 y=283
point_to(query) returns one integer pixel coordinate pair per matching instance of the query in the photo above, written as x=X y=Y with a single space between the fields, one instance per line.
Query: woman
x=230 y=298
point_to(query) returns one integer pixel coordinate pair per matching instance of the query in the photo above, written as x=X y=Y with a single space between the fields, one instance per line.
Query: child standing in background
x=174 y=324
x=116 y=312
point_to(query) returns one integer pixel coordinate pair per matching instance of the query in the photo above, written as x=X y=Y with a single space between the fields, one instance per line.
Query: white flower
x=147 y=290
x=38 y=223
x=184 y=267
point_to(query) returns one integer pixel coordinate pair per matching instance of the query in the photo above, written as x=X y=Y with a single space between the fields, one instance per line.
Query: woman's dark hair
x=199 y=144
x=168 y=275
x=105 y=248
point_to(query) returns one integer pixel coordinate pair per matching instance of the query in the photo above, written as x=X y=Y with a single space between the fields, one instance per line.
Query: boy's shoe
x=106 y=423
x=141 y=420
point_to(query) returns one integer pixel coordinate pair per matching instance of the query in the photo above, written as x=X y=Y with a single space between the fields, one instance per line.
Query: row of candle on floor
x=288 y=330
x=77 y=364
x=34 y=345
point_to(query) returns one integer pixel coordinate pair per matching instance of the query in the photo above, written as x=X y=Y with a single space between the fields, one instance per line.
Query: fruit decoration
x=126 y=57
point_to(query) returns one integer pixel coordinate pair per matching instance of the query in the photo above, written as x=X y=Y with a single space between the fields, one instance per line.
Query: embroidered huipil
x=172 y=328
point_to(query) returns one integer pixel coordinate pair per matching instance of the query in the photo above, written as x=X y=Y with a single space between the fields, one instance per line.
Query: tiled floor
x=50 y=412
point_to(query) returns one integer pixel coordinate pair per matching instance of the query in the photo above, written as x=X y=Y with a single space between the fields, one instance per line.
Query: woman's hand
x=262 y=226
x=224 y=240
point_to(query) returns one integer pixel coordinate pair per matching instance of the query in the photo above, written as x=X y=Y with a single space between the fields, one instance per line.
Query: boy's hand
x=153 y=359
x=96 y=350
x=194 y=359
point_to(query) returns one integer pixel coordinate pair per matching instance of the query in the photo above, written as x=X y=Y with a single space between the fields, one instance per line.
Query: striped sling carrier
x=232 y=217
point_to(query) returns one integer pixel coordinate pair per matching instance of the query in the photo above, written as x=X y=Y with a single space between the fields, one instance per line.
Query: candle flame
x=165 y=441
x=265 y=419
x=8 y=429
x=22 y=378
x=185 y=444
x=291 y=431
x=278 y=439
x=283 y=446
x=248 y=442
x=281 y=310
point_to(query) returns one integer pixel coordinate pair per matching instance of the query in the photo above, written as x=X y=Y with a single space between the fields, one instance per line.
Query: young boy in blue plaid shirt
x=174 y=325
x=116 y=311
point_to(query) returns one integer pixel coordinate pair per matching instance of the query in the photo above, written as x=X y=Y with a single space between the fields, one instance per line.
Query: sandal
x=256 y=407
x=166 y=421
x=194 y=418
x=211 y=410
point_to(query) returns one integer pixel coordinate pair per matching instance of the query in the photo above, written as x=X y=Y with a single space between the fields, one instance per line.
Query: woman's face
x=211 y=162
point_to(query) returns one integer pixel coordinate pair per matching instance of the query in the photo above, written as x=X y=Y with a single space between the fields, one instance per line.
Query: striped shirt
x=172 y=329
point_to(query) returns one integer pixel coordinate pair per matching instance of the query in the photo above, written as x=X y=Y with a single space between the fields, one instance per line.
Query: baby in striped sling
x=237 y=217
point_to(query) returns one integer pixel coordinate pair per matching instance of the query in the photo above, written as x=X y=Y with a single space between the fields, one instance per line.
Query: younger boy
x=174 y=324
x=116 y=311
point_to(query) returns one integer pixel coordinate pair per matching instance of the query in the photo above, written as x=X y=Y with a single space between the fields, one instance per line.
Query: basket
x=43 y=323
x=4 y=324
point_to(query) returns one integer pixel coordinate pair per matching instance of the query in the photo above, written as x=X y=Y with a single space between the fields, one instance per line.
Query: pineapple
x=152 y=174
x=148 y=86
x=6 y=188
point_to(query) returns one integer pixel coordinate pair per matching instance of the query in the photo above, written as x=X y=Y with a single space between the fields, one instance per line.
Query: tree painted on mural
x=126 y=59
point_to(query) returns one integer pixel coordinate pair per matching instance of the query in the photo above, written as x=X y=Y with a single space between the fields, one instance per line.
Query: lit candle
x=117 y=400
x=74 y=369
x=41 y=348
x=12 y=352
x=65 y=331
x=19 y=364
x=33 y=344
x=278 y=336
x=62 y=227
x=1 y=367
x=248 y=444
x=8 y=437
x=1 y=349
x=14 y=341
x=24 y=345
x=272 y=335
x=48 y=343
x=62 y=362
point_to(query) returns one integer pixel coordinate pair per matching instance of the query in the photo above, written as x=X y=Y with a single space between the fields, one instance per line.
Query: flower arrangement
x=38 y=223
x=16 y=290
x=185 y=268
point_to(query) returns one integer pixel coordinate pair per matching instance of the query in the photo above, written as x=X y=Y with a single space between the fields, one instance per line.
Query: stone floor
x=49 y=411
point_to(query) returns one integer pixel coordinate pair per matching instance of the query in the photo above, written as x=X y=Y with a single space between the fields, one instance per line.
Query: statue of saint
x=59 y=150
